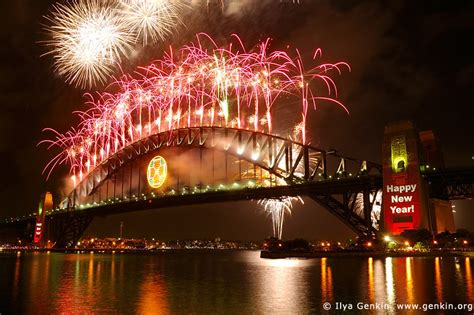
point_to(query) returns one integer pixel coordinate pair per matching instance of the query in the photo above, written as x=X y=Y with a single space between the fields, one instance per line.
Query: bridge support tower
x=45 y=205
x=406 y=203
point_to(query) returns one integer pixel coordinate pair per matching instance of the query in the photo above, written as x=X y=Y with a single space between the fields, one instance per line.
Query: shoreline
x=118 y=251
x=264 y=254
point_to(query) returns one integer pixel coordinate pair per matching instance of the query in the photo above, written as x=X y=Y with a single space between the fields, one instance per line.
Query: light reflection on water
x=326 y=282
x=469 y=284
x=203 y=282
x=389 y=281
x=370 y=285
x=153 y=296
x=282 y=282
x=438 y=281
x=409 y=276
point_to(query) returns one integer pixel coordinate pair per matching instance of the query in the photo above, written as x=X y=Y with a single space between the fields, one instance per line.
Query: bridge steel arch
x=344 y=186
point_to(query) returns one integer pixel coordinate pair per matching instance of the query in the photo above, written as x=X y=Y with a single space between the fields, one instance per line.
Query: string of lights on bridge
x=172 y=192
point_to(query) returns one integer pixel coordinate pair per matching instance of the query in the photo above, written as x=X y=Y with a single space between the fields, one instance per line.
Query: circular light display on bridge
x=156 y=172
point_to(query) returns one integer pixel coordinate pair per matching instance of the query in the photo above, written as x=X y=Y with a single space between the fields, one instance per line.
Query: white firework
x=375 y=199
x=88 y=39
x=276 y=208
x=151 y=20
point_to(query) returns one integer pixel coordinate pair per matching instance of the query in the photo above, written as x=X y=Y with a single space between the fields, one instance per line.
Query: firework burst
x=151 y=20
x=375 y=199
x=192 y=87
x=87 y=40
x=276 y=208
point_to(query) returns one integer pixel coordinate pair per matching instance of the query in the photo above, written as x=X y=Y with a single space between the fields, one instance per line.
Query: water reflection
x=409 y=277
x=16 y=277
x=222 y=282
x=326 y=282
x=371 y=286
x=389 y=282
x=282 y=286
x=438 y=280
x=379 y=284
x=90 y=275
x=469 y=284
x=153 y=296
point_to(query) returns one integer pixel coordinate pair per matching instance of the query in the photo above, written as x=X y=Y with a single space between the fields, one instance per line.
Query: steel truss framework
x=344 y=186
x=292 y=162
x=288 y=163
x=451 y=184
x=67 y=228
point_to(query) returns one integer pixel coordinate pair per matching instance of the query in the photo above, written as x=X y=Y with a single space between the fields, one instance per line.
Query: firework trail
x=191 y=87
x=276 y=208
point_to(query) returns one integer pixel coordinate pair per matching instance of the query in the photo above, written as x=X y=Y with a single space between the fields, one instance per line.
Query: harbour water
x=224 y=282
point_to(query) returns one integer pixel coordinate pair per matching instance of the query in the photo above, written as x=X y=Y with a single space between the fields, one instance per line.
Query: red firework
x=195 y=86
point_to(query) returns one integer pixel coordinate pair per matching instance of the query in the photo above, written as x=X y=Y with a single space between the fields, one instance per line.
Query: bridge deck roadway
x=322 y=188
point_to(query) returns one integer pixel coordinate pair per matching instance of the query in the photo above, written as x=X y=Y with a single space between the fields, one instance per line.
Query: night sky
x=410 y=60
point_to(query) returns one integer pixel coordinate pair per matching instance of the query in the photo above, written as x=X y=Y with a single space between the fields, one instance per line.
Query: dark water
x=228 y=282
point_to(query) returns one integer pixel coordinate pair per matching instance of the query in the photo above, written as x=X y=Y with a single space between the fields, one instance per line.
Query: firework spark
x=276 y=208
x=192 y=87
x=375 y=199
x=151 y=20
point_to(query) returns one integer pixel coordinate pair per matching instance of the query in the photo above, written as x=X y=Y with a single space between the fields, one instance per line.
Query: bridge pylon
x=406 y=201
x=45 y=205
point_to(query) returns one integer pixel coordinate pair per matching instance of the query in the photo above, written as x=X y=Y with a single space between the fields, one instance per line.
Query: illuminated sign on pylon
x=403 y=195
x=46 y=204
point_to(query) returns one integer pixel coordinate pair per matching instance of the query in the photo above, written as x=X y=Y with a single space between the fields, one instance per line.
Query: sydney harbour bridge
x=216 y=164
x=197 y=127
